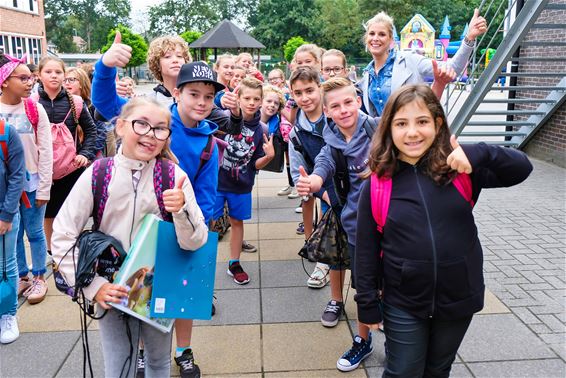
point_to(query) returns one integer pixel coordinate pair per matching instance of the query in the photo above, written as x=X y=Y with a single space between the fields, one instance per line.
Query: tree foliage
x=91 y=20
x=135 y=41
x=291 y=46
x=274 y=21
x=174 y=17
x=341 y=26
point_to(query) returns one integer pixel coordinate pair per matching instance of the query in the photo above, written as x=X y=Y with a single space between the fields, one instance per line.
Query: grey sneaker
x=332 y=313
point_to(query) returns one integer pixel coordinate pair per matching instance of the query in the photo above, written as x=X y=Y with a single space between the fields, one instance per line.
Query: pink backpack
x=380 y=196
x=64 y=145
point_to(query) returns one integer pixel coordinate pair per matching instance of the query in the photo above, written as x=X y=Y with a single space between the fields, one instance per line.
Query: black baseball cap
x=197 y=72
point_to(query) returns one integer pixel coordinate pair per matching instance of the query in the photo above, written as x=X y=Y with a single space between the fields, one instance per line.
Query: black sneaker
x=140 y=368
x=214 y=303
x=332 y=313
x=351 y=359
x=187 y=366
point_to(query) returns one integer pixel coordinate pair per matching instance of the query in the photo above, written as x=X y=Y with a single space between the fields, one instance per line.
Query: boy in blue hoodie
x=12 y=172
x=245 y=154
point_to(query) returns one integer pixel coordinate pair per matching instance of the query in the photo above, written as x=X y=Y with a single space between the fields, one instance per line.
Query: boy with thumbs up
x=245 y=154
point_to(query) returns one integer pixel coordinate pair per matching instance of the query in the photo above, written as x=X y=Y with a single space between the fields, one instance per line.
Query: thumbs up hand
x=118 y=55
x=308 y=184
x=477 y=26
x=458 y=160
x=174 y=199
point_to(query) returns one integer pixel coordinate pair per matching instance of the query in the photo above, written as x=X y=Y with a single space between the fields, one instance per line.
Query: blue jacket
x=13 y=171
x=356 y=153
x=187 y=144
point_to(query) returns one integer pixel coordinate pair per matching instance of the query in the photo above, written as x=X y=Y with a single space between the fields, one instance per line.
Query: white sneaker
x=319 y=277
x=299 y=210
x=294 y=194
x=9 y=331
x=285 y=191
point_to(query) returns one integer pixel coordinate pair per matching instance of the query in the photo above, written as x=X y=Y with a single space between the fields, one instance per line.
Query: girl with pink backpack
x=418 y=263
x=69 y=119
x=30 y=121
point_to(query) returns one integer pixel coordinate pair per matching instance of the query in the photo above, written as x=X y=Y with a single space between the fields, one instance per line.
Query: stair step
x=543 y=43
x=491 y=133
x=504 y=143
x=508 y=112
x=548 y=26
x=529 y=88
x=500 y=123
x=518 y=101
x=536 y=58
x=534 y=74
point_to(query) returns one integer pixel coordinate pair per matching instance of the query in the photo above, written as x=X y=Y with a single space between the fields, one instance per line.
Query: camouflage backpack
x=328 y=243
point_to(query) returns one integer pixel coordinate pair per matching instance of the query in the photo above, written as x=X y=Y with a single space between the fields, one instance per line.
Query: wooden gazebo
x=226 y=35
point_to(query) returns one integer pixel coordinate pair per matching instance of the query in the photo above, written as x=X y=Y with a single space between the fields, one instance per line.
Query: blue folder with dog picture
x=184 y=280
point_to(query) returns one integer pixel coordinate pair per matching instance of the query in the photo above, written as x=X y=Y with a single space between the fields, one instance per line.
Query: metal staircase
x=535 y=85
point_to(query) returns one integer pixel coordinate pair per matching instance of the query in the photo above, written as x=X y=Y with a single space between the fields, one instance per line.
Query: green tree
x=174 y=17
x=135 y=41
x=275 y=20
x=341 y=26
x=96 y=20
x=291 y=46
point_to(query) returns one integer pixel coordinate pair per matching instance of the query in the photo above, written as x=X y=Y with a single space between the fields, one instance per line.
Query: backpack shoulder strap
x=4 y=135
x=206 y=154
x=380 y=196
x=79 y=103
x=341 y=176
x=463 y=183
x=101 y=175
x=32 y=113
x=370 y=126
x=163 y=179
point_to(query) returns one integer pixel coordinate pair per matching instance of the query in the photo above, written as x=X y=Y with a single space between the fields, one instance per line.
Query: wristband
x=469 y=42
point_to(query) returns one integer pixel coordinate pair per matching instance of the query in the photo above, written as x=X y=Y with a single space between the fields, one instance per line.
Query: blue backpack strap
x=101 y=175
x=163 y=179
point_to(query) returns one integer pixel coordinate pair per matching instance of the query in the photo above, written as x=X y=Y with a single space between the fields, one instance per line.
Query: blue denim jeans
x=31 y=221
x=11 y=265
x=420 y=347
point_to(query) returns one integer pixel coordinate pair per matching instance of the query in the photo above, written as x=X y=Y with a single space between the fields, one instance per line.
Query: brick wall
x=13 y=21
x=549 y=143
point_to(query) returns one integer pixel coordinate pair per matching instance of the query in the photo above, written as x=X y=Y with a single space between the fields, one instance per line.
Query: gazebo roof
x=226 y=35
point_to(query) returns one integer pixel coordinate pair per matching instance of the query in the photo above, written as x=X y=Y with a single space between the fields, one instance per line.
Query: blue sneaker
x=352 y=358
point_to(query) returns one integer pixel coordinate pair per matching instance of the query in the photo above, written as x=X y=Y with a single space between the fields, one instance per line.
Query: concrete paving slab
x=224 y=282
x=298 y=347
x=73 y=366
x=278 y=215
x=51 y=288
x=228 y=349
x=284 y=305
x=460 y=370
x=36 y=354
x=55 y=313
x=235 y=307
x=492 y=305
x=501 y=337
x=358 y=373
x=374 y=372
x=273 y=201
x=285 y=273
x=528 y=368
x=283 y=230
x=281 y=250
x=223 y=254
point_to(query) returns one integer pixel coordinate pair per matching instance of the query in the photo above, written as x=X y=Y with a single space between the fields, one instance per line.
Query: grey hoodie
x=356 y=153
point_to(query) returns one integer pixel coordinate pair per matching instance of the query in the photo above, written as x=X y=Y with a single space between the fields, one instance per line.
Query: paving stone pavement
x=271 y=328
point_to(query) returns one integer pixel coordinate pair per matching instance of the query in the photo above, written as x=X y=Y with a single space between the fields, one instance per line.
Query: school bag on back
x=4 y=137
x=64 y=145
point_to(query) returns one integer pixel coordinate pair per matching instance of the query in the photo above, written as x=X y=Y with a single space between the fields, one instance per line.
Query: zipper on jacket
x=434 y=256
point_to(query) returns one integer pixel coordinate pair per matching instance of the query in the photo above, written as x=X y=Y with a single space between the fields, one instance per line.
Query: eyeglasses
x=70 y=80
x=273 y=79
x=24 y=78
x=142 y=127
x=336 y=70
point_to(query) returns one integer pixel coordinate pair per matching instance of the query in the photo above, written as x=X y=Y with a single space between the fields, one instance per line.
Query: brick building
x=549 y=143
x=22 y=28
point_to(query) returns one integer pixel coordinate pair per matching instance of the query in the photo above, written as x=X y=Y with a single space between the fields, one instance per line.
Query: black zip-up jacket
x=432 y=257
x=58 y=108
